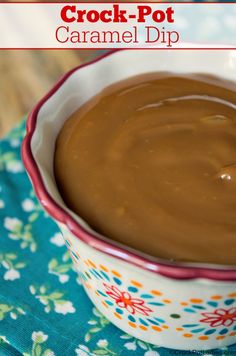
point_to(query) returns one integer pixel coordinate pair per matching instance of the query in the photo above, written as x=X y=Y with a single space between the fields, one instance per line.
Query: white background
x=34 y=25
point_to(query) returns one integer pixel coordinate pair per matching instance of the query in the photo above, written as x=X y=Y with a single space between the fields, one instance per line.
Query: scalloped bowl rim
x=174 y=270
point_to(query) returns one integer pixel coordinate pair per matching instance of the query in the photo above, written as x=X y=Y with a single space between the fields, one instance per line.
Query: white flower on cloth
x=15 y=142
x=20 y=232
x=83 y=350
x=2 y=204
x=130 y=346
x=39 y=337
x=52 y=300
x=13 y=315
x=12 y=223
x=14 y=167
x=60 y=267
x=42 y=300
x=47 y=309
x=64 y=308
x=151 y=353
x=11 y=275
x=102 y=343
x=32 y=289
x=28 y=205
x=57 y=239
x=63 y=278
x=48 y=353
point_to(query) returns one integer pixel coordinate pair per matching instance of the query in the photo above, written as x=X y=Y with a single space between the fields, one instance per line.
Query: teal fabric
x=43 y=308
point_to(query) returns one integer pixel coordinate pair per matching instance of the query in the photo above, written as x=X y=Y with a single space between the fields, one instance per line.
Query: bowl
x=175 y=305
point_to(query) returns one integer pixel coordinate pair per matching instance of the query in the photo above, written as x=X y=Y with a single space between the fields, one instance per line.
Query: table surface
x=27 y=75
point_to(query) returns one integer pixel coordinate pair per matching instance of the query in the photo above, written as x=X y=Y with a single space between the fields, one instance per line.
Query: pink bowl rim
x=175 y=270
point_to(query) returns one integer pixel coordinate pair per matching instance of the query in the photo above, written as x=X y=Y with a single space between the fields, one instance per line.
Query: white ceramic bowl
x=181 y=306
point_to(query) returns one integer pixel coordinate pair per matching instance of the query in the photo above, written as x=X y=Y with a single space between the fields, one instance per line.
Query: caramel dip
x=150 y=162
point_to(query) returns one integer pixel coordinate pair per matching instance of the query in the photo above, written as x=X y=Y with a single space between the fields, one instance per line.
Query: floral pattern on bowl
x=142 y=313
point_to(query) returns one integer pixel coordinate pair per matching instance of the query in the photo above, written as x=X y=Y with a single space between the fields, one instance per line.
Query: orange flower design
x=126 y=301
x=220 y=317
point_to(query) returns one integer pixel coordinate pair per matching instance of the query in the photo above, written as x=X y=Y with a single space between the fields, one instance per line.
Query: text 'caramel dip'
x=150 y=162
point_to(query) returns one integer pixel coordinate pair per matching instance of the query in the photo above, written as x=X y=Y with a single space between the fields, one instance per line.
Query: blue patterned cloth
x=44 y=310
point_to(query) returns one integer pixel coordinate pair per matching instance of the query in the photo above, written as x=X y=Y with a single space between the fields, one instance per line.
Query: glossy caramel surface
x=151 y=162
